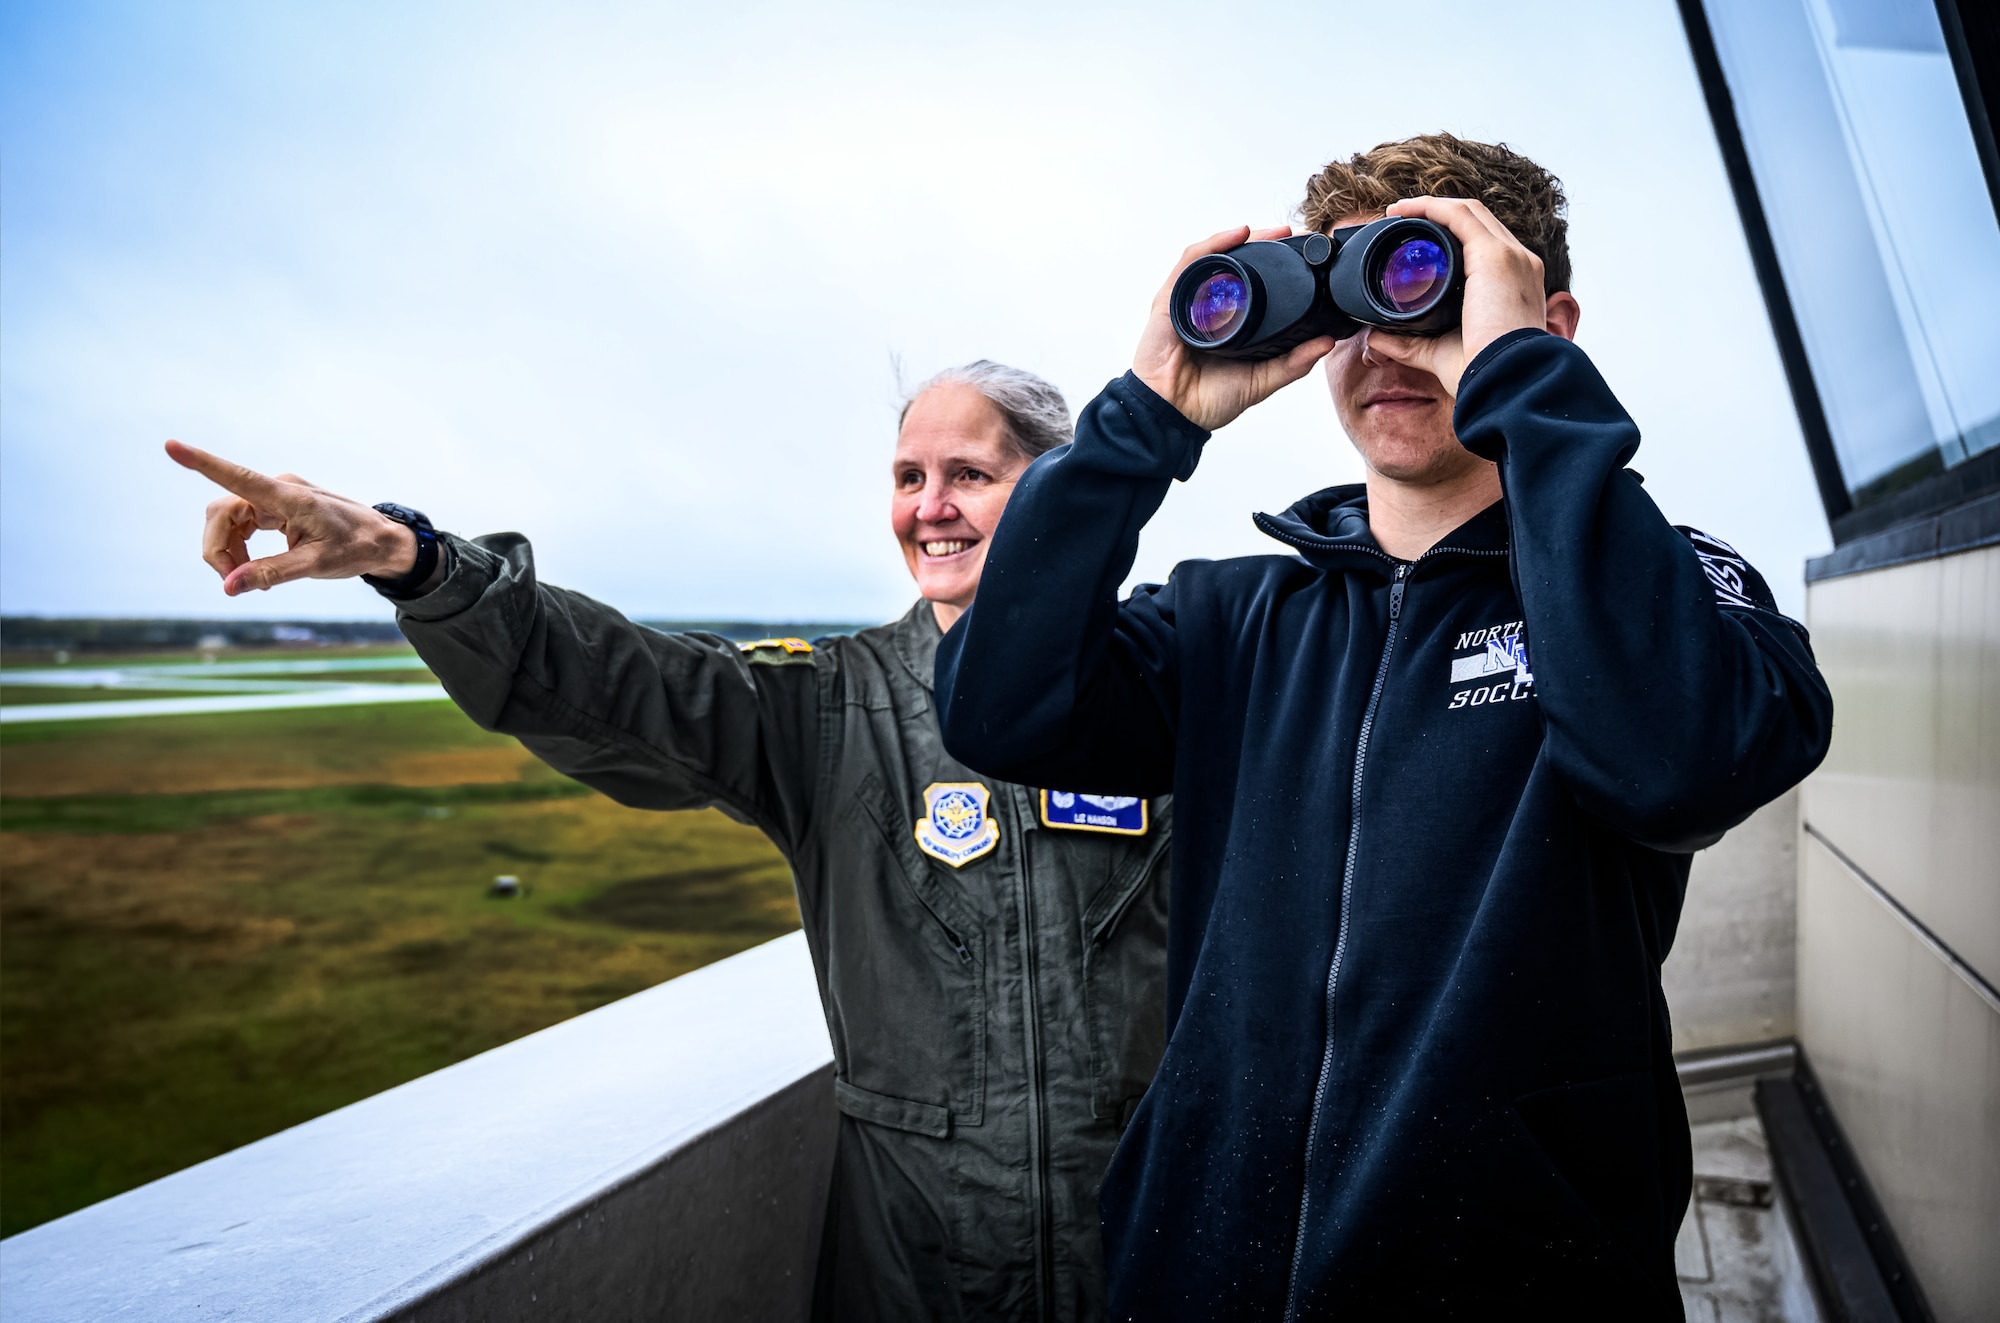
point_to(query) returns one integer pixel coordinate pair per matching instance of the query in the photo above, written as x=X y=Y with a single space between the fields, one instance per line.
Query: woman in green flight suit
x=991 y=957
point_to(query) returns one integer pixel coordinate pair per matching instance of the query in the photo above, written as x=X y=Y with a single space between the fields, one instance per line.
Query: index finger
x=1214 y=243
x=1466 y=218
x=247 y=483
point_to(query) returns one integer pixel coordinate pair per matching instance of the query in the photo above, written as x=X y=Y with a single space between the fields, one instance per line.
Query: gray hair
x=1035 y=412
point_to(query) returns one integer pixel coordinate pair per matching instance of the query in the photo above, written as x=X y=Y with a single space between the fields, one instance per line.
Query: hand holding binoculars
x=1260 y=299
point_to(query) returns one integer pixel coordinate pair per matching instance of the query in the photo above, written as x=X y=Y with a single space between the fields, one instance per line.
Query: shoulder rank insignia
x=955 y=825
x=1121 y=815
x=777 y=652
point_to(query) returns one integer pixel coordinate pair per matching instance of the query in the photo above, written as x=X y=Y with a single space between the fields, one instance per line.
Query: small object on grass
x=437 y=811
x=506 y=886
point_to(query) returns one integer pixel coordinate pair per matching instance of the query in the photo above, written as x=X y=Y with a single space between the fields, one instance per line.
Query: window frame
x=1973 y=40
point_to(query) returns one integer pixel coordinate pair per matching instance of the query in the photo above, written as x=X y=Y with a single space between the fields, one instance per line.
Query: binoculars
x=1402 y=274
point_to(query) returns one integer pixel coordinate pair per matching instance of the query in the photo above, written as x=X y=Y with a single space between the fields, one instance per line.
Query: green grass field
x=215 y=927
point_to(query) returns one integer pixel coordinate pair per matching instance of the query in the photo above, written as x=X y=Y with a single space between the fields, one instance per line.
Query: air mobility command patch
x=1121 y=815
x=955 y=825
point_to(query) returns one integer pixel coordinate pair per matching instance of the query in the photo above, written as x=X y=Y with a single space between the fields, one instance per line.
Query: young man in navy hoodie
x=1438 y=772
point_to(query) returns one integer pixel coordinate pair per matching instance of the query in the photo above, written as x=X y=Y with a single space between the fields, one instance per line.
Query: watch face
x=403 y=514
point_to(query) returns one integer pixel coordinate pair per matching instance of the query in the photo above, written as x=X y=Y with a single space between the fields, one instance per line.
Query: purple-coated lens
x=1415 y=275
x=1218 y=306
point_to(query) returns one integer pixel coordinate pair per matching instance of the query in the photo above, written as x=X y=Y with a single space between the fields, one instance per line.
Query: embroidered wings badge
x=956 y=826
x=1121 y=815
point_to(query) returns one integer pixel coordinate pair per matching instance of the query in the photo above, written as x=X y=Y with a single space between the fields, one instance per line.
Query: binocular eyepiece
x=1403 y=274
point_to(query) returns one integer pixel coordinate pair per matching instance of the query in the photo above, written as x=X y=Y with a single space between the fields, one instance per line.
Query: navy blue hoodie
x=1432 y=832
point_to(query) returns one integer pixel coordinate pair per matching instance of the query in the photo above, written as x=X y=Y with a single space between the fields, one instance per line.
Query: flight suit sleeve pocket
x=897 y=1113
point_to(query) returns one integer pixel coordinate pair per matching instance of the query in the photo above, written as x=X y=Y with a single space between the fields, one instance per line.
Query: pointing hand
x=328 y=536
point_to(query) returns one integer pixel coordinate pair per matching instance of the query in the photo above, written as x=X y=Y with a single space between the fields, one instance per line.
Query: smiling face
x=954 y=469
x=1399 y=418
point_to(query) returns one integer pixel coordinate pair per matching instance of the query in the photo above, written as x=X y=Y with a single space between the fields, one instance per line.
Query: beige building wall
x=1899 y=907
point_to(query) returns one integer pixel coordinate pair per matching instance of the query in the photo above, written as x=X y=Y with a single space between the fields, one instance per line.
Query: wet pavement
x=1736 y=1256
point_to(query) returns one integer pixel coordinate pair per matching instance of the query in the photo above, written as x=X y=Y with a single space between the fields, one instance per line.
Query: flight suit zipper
x=1340 y=931
x=1037 y=1083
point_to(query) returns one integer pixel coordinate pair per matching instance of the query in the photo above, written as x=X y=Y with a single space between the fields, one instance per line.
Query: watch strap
x=407 y=586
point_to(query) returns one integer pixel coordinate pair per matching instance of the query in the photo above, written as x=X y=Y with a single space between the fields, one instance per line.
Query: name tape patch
x=1121 y=815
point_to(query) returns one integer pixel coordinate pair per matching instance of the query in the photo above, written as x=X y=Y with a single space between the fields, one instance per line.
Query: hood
x=1330 y=530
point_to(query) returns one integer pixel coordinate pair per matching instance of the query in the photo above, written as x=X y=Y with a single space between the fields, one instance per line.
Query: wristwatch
x=404 y=588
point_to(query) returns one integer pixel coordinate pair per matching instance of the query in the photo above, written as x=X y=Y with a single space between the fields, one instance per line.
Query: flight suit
x=993 y=985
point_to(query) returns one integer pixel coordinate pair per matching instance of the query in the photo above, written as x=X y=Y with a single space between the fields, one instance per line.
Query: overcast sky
x=633 y=279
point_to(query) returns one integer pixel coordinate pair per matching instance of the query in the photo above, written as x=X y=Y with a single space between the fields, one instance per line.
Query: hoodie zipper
x=1396 y=589
x=1340 y=935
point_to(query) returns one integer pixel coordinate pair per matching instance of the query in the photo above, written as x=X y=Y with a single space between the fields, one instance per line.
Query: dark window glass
x=1883 y=225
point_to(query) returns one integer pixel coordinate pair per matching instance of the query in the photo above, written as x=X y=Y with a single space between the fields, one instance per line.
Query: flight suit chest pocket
x=1125 y=978
x=908 y=978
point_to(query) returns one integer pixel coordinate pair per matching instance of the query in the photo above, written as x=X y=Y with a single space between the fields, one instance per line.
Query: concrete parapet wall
x=667 y=1155
x=727 y=1228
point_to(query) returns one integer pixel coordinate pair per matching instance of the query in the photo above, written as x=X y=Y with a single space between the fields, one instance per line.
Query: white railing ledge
x=640 y=1150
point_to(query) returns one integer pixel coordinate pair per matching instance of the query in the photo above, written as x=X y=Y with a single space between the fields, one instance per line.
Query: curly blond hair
x=1524 y=197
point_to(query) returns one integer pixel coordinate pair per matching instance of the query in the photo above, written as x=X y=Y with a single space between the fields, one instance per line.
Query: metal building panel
x=1908 y=1052
x=1911 y=789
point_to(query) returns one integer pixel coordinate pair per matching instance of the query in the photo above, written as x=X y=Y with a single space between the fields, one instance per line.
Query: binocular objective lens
x=1218 y=305
x=1415 y=275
